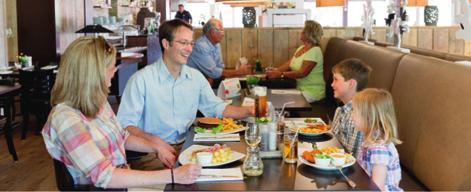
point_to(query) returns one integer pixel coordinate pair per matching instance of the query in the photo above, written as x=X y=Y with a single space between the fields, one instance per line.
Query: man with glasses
x=160 y=102
x=206 y=55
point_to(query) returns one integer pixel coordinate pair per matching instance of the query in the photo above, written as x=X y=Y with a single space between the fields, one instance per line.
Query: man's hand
x=165 y=152
x=245 y=69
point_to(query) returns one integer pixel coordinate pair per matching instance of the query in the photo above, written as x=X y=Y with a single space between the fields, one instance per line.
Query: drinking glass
x=290 y=146
x=260 y=101
x=252 y=135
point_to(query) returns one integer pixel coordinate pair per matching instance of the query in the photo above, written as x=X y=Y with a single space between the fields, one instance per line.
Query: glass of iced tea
x=290 y=146
x=260 y=101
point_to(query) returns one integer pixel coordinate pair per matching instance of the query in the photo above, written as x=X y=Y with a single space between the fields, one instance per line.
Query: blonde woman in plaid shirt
x=373 y=114
x=82 y=131
x=349 y=77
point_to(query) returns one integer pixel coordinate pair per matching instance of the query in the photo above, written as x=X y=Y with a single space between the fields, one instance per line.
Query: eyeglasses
x=218 y=30
x=186 y=43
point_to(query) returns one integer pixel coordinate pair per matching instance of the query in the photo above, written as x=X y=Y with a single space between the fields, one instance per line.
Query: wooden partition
x=274 y=46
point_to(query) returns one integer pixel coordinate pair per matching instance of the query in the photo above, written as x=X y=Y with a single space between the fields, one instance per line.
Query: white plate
x=209 y=132
x=349 y=162
x=47 y=67
x=5 y=72
x=6 y=68
x=185 y=156
x=301 y=124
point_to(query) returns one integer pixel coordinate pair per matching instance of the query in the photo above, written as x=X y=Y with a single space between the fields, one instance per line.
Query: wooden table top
x=282 y=176
x=300 y=103
x=5 y=89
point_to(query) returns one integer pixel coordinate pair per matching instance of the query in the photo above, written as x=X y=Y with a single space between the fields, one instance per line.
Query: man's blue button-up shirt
x=161 y=105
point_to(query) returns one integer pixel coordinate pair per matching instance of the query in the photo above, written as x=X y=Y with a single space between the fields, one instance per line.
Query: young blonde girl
x=373 y=114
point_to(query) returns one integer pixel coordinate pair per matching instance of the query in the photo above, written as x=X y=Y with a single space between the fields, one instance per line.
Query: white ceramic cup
x=204 y=158
x=338 y=159
x=322 y=161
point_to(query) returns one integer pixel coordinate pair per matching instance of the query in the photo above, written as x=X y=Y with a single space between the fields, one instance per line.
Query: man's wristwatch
x=282 y=75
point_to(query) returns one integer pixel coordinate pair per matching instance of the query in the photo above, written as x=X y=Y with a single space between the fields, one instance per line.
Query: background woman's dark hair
x=168 y=29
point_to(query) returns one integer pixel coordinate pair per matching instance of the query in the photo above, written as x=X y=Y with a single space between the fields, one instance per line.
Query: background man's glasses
x=218 y=30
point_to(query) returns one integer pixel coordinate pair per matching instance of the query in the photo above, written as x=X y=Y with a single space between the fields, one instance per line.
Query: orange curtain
x=326 y=3
x=417 y=3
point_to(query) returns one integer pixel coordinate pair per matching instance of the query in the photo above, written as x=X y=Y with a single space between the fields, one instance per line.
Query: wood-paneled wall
x=3 y=40
x=12 y=24
x=276 y=45
x=67 y=22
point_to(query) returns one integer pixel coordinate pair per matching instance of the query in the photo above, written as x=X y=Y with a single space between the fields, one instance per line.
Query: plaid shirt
x=382 y=154
x=344 y=129
x=90 y=148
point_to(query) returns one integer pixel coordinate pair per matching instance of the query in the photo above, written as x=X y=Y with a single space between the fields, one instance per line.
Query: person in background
x=83 y=132
x=183 y=14
x=160 y=101
x=306 y=65
x=206 y=56
x=373 y=114
x=349 y=77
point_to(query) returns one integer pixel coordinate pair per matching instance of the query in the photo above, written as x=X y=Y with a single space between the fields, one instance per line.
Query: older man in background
x=206 y=56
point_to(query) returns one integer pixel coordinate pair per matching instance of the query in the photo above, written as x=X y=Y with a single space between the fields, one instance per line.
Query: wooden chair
x=36 y=86
x=65 y=182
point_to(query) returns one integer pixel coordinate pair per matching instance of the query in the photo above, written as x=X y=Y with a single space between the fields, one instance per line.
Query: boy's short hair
x=353 y=68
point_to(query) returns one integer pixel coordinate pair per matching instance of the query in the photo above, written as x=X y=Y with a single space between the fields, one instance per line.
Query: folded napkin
x=285 y=91
x=217 y=137
x=228 y=174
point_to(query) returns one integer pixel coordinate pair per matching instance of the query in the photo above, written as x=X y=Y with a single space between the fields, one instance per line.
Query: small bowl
x=338 y=159
x=322 y=161
x=204 y=158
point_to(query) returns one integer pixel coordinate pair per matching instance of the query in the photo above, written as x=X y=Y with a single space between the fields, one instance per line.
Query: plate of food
x=5 y=72
x=213 y=125
x=328 y=158
x=209 y=156
x=309 y=126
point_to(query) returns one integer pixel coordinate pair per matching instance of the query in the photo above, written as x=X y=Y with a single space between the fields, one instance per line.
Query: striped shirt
x=382 y=154
x=90 y=148
x=344 y=129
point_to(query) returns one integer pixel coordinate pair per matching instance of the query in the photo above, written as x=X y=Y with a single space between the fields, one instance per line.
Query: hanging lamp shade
x=94 y=29
x=417 y=3
x=328 y=3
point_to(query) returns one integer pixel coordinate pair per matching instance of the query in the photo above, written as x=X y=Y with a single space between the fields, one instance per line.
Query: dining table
x=293 y=99
x=278 y=175
x=7 y=93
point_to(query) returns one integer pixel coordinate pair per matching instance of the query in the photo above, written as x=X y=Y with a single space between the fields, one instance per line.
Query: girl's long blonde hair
x=376 y=108
x=81 y=80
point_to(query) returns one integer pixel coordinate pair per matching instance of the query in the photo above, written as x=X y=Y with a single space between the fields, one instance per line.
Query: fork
x=349 y=181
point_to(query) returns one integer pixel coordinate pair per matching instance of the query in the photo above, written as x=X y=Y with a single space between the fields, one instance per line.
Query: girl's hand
x=187 y=174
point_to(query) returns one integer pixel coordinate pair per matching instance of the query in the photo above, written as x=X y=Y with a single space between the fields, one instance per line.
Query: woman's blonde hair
x=313 y=31
x=81 y=80
x=376 y=108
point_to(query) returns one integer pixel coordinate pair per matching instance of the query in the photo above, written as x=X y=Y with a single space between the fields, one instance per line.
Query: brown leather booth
x=433 y=107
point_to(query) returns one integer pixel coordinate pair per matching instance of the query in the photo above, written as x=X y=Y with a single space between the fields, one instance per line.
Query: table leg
x=8 y=131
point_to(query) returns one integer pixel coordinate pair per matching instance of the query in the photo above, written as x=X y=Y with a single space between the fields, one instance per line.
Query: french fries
x=229 y=124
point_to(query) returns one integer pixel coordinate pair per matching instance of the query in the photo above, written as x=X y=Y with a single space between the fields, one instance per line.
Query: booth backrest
x=383 y=61
x=433 y=104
